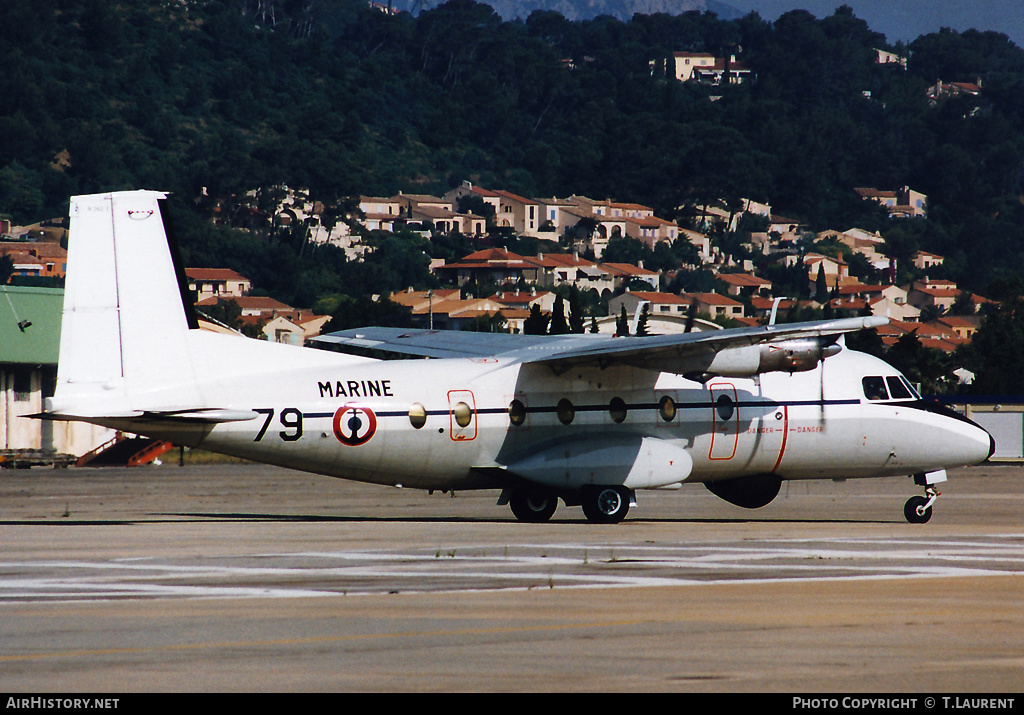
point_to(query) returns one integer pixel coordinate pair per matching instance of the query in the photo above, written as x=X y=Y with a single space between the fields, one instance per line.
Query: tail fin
x=130 y=343
x=126 y=307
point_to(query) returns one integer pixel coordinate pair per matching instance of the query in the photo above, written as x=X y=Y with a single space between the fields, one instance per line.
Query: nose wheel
x=918 y=510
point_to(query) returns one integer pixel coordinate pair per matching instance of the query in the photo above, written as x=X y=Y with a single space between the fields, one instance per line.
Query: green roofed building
x=29 y=344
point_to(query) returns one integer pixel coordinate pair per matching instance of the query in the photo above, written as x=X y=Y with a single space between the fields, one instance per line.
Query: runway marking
x=515 y=566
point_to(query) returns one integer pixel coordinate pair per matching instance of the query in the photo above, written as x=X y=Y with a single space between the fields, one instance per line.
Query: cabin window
x=565 y=411
x=897 y=390
x=667 y=408
x=417 y=415
x=617 y=409
x=516 y=413
x=724 y=407
x=874 y=388
x=463 y=414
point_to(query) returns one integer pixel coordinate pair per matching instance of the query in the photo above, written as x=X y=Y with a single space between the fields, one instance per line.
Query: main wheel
x=916 y=511
x=606 y=505
x=533 y=507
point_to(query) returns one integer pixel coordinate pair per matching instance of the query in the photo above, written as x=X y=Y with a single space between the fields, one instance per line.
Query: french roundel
x=354 y=425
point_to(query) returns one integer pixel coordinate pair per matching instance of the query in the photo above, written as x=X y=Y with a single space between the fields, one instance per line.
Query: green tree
x=575 y=310
x=559 y=325
x=536 y=322
x=641 y=323
x=361 y=312
x=993 y=354
x=622 y=322
x=6 y=268
x=820 y=286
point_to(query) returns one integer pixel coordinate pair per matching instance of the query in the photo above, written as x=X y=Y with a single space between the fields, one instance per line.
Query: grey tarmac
x=248 y=578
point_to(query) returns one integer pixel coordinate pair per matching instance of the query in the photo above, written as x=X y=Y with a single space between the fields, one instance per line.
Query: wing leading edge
x=734 y=351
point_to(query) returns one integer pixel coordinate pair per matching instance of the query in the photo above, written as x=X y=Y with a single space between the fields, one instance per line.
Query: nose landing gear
x=918 y=510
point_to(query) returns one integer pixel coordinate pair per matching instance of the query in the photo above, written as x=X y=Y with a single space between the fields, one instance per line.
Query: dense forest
x=208 y=97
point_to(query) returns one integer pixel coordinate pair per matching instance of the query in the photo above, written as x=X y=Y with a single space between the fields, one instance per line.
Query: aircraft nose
x=982 y=443
x=965 y=442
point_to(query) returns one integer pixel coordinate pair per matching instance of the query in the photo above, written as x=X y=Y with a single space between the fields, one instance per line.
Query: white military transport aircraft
x=588 y=419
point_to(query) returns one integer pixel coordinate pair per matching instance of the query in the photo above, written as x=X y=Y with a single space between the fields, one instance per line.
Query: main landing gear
x=601 y=504
x=606 y=505
x=918 y=510
x=533 y=506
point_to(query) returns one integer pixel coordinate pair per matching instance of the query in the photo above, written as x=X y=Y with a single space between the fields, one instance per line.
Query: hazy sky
x=908 y=19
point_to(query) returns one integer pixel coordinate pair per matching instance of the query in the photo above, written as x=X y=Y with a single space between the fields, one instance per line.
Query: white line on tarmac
x=511 y=567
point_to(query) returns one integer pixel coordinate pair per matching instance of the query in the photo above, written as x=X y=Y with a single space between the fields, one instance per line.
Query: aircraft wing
x=435 y=343
x=734 y=351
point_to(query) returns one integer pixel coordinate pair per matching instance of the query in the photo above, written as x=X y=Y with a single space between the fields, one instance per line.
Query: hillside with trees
x=208 y=98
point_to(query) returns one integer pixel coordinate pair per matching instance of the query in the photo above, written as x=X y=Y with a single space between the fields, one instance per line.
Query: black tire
x=915 y=512
x=606 y=505
x=533 y=507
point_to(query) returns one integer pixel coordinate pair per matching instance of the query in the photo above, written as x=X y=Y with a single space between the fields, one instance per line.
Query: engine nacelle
x=795 y=355
x=785 y=356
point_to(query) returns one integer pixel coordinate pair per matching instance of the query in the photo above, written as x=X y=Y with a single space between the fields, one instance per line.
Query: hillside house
x=837 y=271
x=254 y=309
x=32 y=258
x=715 y=306
x=492 y=265
x=901 y=203
x=651 y=230
x=885 y=57
x=724 y=71
x=467 y=189
x=519 y=213
x=706 y=68
x=660 y=304
x=684 y=64
x=381 y=214
x=564 y=268
x=935 y=294
x=745 y=284
x=944 y=90
x=701 y=241
x=888 y=301
x=924 y=261
x=709 y=305
x=623 y=274
x=207 y=283
x=559 y=215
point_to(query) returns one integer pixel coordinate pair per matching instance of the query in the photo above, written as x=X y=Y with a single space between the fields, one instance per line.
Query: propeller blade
x=691 y=316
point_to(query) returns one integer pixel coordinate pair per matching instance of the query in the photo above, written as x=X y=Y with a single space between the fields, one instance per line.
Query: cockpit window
x=898 y=390
x=874 y=388
x=913 y=393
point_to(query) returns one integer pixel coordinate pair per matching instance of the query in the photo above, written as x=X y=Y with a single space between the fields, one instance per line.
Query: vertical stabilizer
x=126 y=312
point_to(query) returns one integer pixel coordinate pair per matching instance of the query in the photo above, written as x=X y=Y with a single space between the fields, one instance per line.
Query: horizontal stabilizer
x=201 y=416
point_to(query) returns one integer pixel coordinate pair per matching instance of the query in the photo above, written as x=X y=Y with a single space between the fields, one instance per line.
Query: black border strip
x=179 y=269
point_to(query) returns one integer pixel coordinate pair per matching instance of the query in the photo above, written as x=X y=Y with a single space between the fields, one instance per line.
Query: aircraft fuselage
x=456 y=423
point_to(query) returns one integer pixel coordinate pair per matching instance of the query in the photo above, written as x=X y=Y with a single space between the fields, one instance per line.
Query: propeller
x=691 y=316
x=775 y=308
